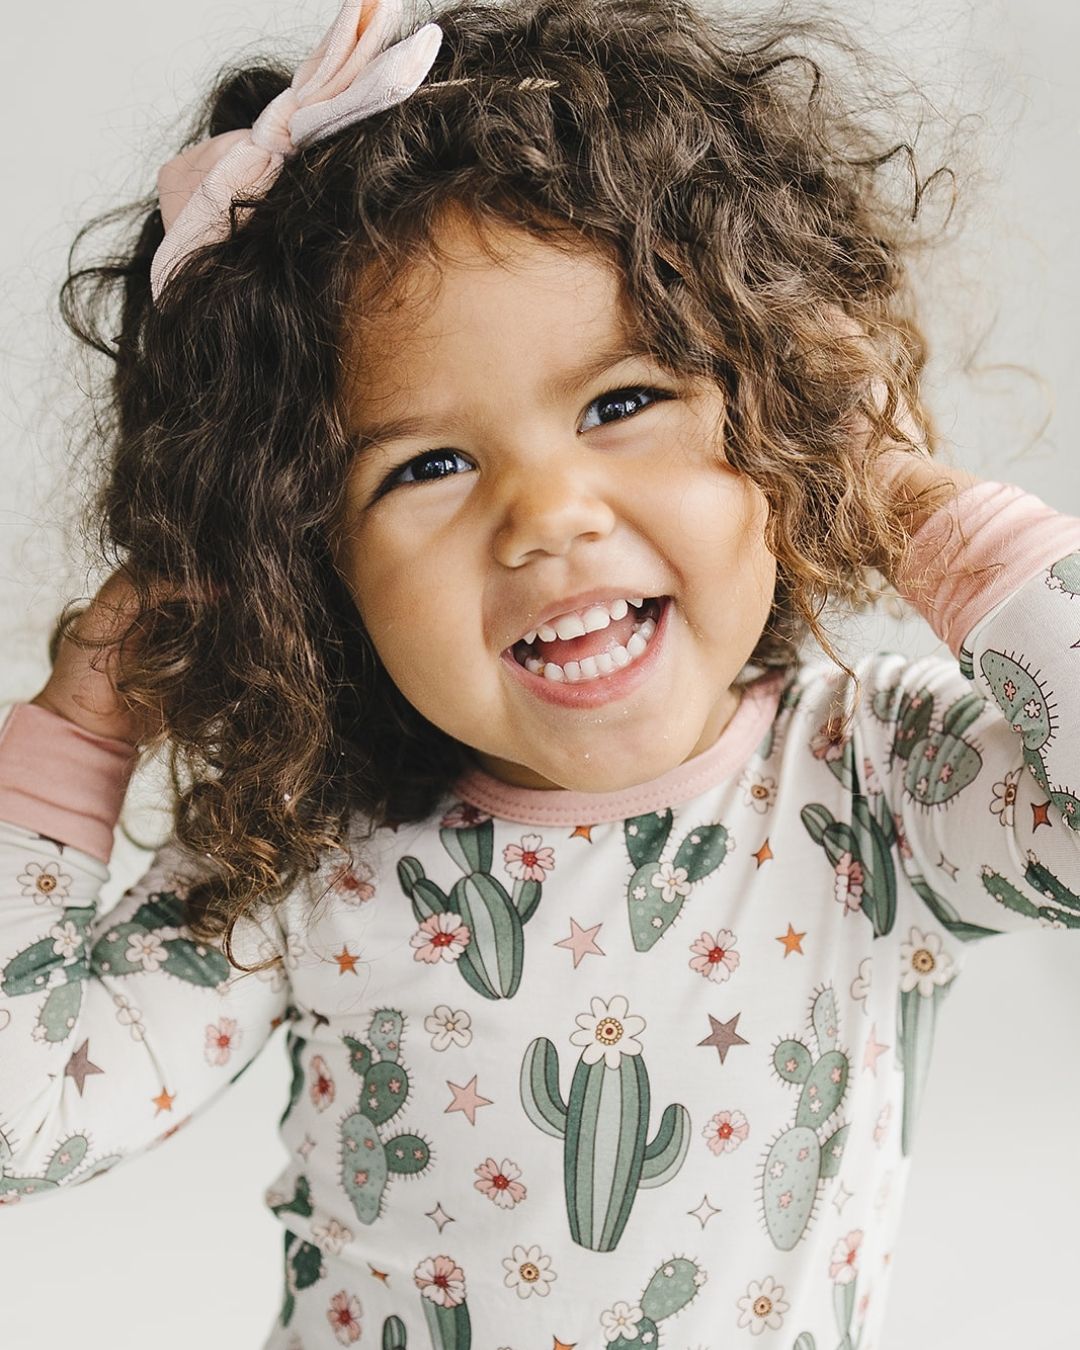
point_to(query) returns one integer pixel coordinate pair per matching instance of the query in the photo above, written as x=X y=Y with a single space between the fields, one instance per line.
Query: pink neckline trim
x=560 y=806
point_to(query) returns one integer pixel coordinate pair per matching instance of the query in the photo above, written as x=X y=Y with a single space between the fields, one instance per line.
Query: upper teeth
x=577 y=623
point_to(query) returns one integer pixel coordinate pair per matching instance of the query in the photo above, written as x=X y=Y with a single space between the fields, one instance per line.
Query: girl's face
x=526 y=469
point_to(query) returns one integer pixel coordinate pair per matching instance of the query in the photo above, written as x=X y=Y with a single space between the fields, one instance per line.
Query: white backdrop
x=176 y=1248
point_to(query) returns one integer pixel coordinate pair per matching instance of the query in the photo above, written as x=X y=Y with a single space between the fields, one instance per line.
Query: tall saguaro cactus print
x=604 y=1122
x=493 y=959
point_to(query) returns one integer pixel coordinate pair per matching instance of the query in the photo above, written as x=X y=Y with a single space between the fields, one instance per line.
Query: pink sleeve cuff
x=957 y=573
x=61 y=781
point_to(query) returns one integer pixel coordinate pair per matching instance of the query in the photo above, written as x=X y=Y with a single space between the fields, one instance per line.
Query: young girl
x=494 y=409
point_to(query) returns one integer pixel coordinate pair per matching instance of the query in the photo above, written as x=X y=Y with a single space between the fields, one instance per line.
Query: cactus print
x=502 y=1132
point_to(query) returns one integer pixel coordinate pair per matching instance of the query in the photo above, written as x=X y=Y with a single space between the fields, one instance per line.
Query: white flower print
x=221 y=1040
x=760 y=791
x=67 y=941
x=528 y=1272
x=441 y=1280
x=1032 y=708
x=273 y=975
x=622 y=1320
x=860 y=985
x=331 y=1236
x=147 y=950
x=842 y=1262
x=1005 y=797
x=726 y=1131
x=923 y=964
x=671 y=882
x=499 y=1182
x=609 y=1033
x=713 y=955
x=441 y=937
x=527 y=861
x=343 y=1314
x=763 y=1305
x=448 y=1027
x=48 y=885
x=130 y=1016
x=882 y=1125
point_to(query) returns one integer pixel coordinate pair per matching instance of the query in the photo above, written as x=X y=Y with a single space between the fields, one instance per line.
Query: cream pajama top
x=610 y=1071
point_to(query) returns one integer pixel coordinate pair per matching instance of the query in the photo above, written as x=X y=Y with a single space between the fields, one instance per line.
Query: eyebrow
x=377 y=434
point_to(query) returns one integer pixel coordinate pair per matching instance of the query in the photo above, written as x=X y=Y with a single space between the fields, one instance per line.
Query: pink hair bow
x=349 y=76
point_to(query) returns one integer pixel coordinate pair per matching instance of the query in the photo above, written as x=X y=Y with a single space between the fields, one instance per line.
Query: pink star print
x=466 y=1099
x=582 y=941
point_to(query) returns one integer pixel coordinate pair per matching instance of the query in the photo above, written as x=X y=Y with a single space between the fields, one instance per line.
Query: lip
x=605 y=688
x=597 y=596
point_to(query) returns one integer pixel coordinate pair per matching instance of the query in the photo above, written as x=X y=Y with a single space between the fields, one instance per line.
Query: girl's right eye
x=424 y=468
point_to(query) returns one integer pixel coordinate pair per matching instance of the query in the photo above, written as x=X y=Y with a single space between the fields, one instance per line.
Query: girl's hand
x=81 y=686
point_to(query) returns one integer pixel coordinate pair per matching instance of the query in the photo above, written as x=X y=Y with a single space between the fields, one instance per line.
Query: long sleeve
x=967 y=773
x=115 y=1028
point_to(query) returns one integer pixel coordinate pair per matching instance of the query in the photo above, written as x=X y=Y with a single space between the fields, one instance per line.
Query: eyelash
x=394 y=478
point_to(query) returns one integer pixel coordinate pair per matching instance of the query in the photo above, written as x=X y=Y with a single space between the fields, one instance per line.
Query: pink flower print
x=220 y=1040
x=322 y=1084
x=441 y=937
x=353 y=888
x=828 y=741
x=527 y=861
x=901 y=836
x=713 y=955
x=930 y=752
x=726 y=1131
x=842 y=1263
x=1009 y=690
x=439 y=1279
x=344 y=1315
x=882 y=1123
x=500 y=1183
x=945 y=773
x=463 y=816
x=848 y=887
x=871 y=782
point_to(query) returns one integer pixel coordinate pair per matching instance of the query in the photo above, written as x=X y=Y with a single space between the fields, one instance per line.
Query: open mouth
x=606 y=648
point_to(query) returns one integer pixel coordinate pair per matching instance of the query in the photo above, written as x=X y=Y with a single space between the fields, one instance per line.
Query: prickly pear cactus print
x=1029 y=708
x=632 y=1325
x=812 y=1148
x=491 y=919
x=62 y=961
x=658 y=890
x=368 y=1161
x=604 y=1122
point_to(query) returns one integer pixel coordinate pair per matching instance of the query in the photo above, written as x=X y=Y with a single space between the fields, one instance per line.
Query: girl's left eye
x=621 y=398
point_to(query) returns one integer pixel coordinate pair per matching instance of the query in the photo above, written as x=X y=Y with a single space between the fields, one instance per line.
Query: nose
x=544 y=509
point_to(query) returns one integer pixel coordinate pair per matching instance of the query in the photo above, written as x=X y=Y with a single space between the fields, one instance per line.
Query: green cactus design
x=657 y=891
x=1065 y=575
x=917 y=1015
x=66 y=1159
x=393 y=1334
x=604 y=1125
x=1026 y=705
x=869 y=841
x=367 y=1160
x=1065 y=904
x=303 y=1260
x=802 y=1156
x=493 y=960
x=673 y=1287
x=159 y=917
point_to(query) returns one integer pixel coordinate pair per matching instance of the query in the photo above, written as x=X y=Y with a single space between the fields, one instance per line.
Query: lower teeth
x=593 y=667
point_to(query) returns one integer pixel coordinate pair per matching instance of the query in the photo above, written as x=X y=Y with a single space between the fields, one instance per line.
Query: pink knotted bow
x=348 y=77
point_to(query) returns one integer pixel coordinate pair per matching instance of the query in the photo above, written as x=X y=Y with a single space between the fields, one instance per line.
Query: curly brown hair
x=739 y=194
